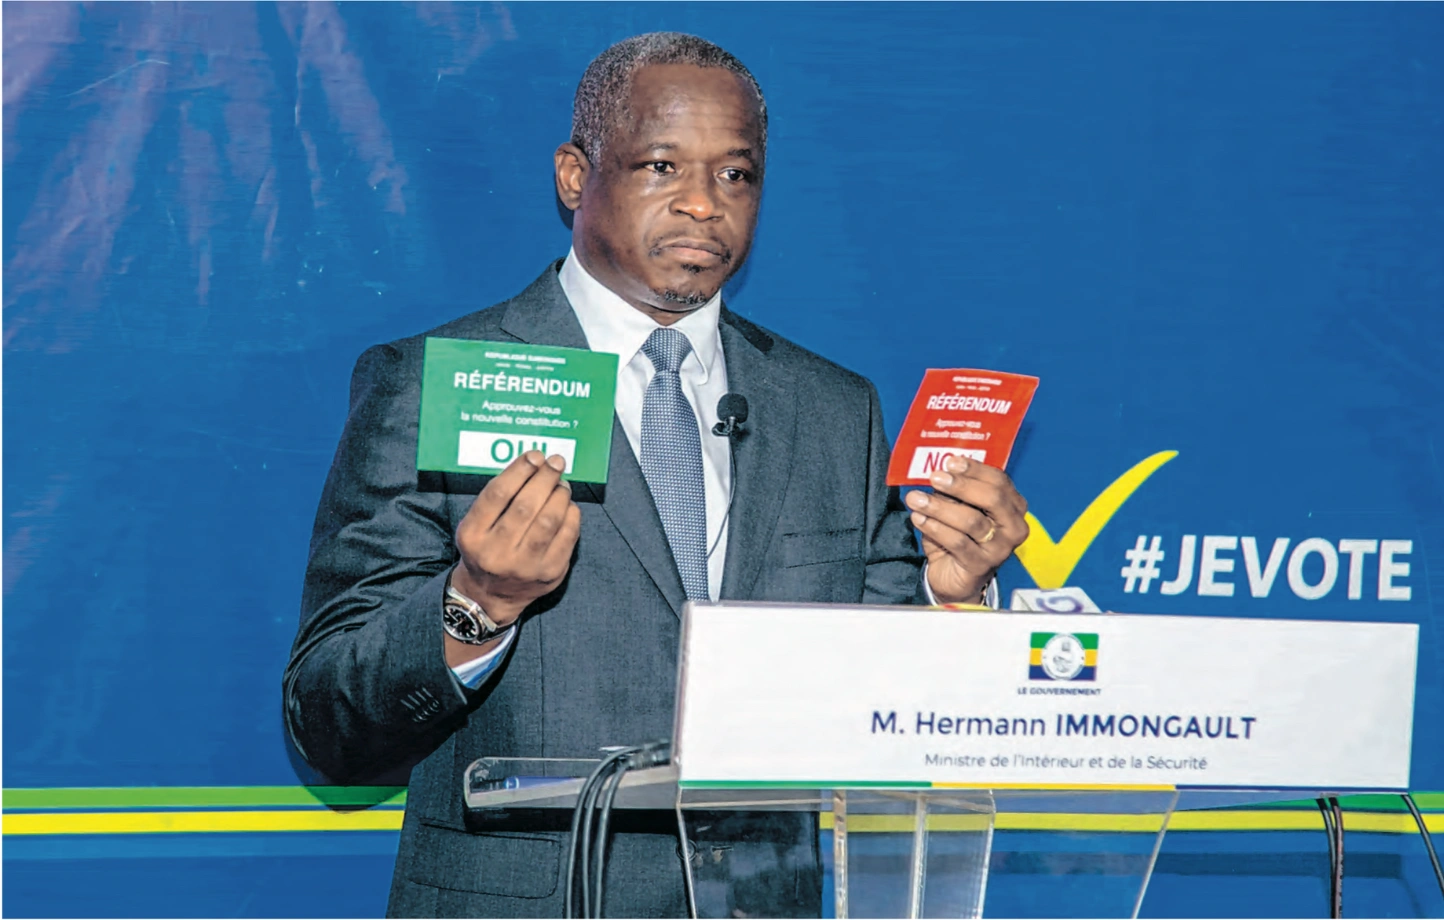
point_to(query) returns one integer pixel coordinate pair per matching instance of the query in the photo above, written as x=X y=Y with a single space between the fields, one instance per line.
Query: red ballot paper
x=967 y=413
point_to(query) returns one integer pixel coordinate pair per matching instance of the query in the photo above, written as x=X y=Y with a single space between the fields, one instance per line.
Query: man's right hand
x=515 y=542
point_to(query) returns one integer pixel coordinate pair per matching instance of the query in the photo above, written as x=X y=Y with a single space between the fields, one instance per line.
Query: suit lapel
x=630 y=506
x=763 y=455
x=541 y=315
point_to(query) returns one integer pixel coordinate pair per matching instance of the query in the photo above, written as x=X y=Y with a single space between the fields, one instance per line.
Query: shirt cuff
x=474 y=673
x=990 y=594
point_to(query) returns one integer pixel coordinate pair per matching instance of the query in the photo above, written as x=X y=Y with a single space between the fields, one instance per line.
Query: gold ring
x=992 y=532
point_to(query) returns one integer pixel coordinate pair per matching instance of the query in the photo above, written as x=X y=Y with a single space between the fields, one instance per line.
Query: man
x=438 y=627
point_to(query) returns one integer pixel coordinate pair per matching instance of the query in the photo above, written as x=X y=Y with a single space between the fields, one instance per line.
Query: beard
x=683 y=298
x=689 y=299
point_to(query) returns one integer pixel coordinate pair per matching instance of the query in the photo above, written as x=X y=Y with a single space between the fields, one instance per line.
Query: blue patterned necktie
x=672 y=459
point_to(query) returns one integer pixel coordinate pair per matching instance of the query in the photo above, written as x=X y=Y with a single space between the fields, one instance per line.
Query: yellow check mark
x=1051 y=563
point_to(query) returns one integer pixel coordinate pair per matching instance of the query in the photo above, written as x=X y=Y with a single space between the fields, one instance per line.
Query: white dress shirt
x=616 y=327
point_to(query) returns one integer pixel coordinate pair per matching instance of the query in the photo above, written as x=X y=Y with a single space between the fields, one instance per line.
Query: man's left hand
x=970 y=525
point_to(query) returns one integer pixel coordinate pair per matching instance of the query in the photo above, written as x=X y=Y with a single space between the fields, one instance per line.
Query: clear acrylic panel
x=1076 y=854
x=910 y=853
x=887 y=852
x=739 y=861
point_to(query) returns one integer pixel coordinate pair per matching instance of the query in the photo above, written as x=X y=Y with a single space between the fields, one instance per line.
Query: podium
x=909 y=751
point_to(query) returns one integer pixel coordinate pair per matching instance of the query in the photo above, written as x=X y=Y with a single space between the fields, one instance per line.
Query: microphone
x=732 y=410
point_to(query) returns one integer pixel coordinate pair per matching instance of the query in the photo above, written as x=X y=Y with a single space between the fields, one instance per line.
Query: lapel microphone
x=732 y=410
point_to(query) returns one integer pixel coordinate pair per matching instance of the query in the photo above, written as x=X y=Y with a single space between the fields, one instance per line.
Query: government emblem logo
x=1063 y=656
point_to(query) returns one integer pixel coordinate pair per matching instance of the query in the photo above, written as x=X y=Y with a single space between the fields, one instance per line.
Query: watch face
x=1063 y=657
x=460 y=624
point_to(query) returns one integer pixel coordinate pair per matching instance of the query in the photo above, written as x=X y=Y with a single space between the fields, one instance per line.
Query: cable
x=1336 y=886
x=574 y=839
x=1333 y=856
x=604 y=818
x=593 y=808
x=1328 y=828
x=1428 y=841
x=584 y=795
x=731 y=493
x=584 y=852
x=589 y=805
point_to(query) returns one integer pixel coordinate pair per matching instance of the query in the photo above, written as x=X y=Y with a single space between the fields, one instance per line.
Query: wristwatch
x=465 y=621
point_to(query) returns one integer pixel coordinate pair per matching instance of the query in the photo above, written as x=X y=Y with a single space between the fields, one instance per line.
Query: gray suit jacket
x=367 y=689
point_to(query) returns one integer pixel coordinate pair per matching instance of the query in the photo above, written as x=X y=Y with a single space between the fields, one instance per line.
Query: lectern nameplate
x=895 y=696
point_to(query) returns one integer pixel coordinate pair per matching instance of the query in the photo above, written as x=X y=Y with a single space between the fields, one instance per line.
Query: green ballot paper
x=483 y=404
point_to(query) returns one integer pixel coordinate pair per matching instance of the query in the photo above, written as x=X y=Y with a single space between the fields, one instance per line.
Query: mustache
x=714 y=246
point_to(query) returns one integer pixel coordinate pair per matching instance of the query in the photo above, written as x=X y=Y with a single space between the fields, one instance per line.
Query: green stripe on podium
x=119 y=797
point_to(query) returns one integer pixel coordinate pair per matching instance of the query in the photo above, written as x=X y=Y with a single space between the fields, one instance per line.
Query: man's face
x=666 y=216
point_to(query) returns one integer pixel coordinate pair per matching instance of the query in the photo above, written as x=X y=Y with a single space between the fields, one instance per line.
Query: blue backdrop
x=1209 y=229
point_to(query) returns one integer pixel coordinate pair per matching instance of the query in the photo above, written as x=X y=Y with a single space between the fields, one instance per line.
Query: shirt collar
x=615 y=326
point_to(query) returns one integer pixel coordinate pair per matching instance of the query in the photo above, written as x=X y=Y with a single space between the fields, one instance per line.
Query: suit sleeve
x=367 y=689
x=894 y=565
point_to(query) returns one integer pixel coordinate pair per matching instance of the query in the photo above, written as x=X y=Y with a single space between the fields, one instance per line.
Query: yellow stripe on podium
x=194 y=822
x=1250 y=820
x=1056 y=787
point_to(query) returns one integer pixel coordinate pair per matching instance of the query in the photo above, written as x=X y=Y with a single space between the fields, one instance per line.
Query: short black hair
x=607 y=84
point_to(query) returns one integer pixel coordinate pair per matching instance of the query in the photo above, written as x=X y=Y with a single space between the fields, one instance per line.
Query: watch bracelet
x=457 y=606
